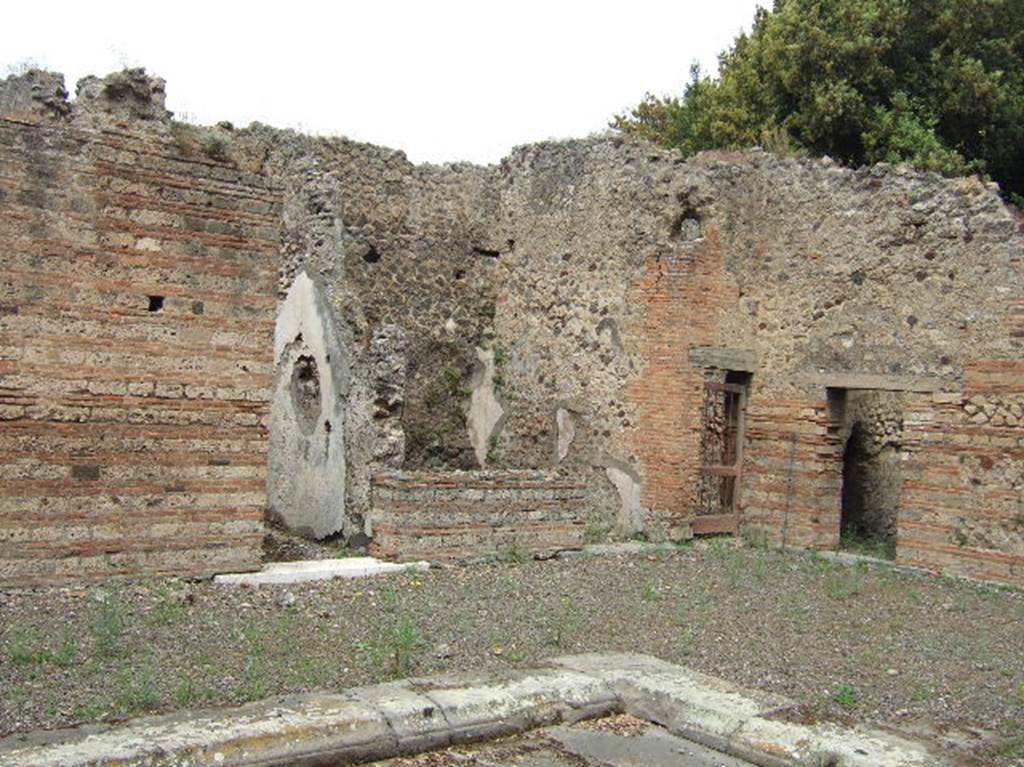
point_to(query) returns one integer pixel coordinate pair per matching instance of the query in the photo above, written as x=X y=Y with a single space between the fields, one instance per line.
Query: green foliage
x=26 y=648
x=868 y=546
x=564 y=623
x=169 y=608
x=936 y=83
x=396 y=648
x=185 y=691
x=108 y=626
x=254 y=674
x=843 y=585
x=515 y=553
x=754 y=537
x=137 y=690
x=215 y=144
x=651 y=593
x=845 y=696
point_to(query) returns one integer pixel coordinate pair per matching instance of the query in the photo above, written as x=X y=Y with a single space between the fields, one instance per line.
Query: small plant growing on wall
x=215 y=144
x=492 y=449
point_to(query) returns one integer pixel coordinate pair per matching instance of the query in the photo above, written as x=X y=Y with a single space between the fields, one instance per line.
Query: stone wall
x=136 y=313
x=628 y=259
x=475 y=515
x=564 y=311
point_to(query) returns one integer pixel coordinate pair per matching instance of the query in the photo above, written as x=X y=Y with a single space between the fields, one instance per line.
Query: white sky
x=443 y=80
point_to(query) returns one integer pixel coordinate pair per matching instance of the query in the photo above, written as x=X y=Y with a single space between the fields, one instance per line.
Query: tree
x=936 y=83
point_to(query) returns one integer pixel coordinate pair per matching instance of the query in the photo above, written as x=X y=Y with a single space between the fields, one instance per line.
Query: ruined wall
x=879 y=278
x=406 y=263
x=628 y=260
x=136 y=309
x=475 y=514
x=563 y=311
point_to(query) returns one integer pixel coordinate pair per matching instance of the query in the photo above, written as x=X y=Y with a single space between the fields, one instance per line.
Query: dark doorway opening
x=869 y=426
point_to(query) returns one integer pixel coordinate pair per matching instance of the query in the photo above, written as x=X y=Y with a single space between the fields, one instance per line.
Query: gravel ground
x=876 y=645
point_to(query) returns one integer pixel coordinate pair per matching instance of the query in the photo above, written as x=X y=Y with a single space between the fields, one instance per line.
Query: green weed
x=389 y=598
x=90 y=712
x=872 y=657
x=735 y=567
x=215 y=144
x=169 y=609
x=844 y=585
x=136 y=688
x=565 y=622
x=510 y=655
x=305 y=671
x=254 y=682
x=760 y=567
x=108 y=626
x=515 y=553
x=923 y=691
x=396 y=647
x=27 y=648
x=845 y=696
x=868 y=546
x=185 y=691
x=651 y=593
x=754 y=537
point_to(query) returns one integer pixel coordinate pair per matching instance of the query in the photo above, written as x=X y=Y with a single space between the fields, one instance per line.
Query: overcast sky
x=442 y=80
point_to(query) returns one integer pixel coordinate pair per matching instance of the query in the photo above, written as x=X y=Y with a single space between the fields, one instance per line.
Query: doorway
x=721 y=452
x=868 y=425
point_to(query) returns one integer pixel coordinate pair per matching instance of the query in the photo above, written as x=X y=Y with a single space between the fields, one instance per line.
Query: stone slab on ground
x=383 y=721
x=593 y=744
x=316 y=570
x=747 y=723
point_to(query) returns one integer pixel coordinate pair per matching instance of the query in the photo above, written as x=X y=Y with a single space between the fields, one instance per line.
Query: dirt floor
x=870 y=644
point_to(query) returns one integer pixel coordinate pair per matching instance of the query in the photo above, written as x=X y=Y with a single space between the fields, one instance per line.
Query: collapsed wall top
x=131 y=94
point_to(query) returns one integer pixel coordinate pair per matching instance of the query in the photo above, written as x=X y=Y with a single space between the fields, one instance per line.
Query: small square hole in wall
x=156 y=303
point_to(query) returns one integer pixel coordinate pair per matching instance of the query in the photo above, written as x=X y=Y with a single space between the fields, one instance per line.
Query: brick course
x=474 y=515
x=132 y=437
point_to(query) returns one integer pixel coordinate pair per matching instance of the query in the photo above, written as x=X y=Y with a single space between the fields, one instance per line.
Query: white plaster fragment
x=630 y=519
x=485 y=412
x=566 y=432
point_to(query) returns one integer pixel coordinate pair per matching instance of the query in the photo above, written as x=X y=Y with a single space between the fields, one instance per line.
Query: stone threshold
x=414 y=715
x=316 y=570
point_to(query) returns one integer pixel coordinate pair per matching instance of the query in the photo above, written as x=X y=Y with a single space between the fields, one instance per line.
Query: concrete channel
x=696 y=717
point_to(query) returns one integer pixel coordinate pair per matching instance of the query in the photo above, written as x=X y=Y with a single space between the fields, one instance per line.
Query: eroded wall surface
x=137 y=294
x=563 y=311
x=629 y=260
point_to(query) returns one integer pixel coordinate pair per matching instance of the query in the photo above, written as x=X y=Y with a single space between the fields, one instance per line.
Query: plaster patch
x=630 y=518
x=485 y=412
x=306 y=483
x=566 y=432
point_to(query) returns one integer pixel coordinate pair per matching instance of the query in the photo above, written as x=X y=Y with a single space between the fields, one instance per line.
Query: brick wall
x=963 y=498
x=792 y=477
x=473 y=515
x=137 y=295
x=683 y=293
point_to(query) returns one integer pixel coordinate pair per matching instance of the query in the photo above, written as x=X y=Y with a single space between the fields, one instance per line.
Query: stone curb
x=748 y=724
x=316 y=570
x=413 y=715
x=362 y=725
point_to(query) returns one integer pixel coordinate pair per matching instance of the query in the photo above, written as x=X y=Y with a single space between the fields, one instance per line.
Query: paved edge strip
x=317 y=570
x=414 y=715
